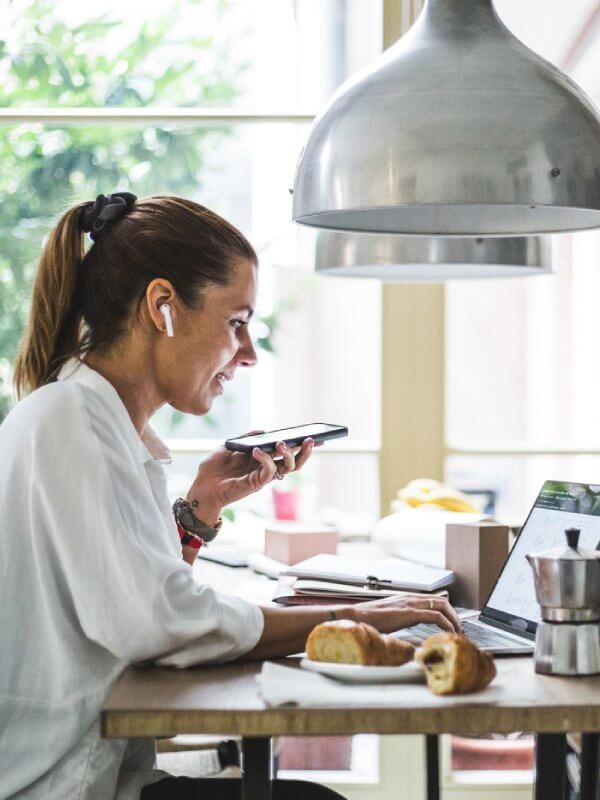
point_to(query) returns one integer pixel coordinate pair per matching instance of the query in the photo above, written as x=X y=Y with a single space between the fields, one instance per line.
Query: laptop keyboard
x=483 y=637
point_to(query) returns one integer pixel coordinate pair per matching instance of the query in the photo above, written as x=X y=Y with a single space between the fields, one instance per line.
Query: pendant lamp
x=456 y=130
x=396 y=259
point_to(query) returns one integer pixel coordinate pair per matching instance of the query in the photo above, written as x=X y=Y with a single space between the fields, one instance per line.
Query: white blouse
x=92 y=580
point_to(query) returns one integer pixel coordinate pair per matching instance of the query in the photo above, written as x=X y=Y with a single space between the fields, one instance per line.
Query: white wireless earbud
x=166 y=312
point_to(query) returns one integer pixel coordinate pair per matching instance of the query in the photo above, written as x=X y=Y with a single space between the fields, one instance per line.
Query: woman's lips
x=220 y=378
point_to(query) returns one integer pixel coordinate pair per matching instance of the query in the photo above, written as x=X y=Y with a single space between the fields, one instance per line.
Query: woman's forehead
x=240 y=292
x=243 y=284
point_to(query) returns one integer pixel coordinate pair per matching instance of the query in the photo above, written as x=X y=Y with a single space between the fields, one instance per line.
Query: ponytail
x=53 y=328
x=78 y=308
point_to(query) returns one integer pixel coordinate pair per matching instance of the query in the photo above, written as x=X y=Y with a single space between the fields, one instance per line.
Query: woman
x=93 y=574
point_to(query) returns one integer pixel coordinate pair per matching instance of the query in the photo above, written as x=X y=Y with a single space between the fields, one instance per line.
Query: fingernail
x=310 y=442
x=256 y=451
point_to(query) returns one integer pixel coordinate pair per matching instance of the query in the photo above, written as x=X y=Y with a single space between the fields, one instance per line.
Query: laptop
x=508 y=621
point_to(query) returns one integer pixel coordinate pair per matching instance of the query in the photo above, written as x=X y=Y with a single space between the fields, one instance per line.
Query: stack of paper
x=304 y=592
x=385 y=573
x=336 y=579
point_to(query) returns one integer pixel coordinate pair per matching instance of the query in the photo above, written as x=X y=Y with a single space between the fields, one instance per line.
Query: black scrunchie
x=105 y=210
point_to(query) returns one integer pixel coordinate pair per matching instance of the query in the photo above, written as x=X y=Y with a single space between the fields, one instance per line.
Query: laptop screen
x=558 y=506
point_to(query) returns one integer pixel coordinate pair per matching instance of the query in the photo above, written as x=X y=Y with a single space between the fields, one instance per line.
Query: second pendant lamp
x=423 y=260
x=456 y=130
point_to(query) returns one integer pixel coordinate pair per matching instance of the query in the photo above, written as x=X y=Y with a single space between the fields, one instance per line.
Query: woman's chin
x=203 y=407
x=197 y=407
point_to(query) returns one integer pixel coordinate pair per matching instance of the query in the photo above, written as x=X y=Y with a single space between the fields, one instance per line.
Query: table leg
x=256 y=768
x=432 y=766
x=590 y=767
x=551 y=766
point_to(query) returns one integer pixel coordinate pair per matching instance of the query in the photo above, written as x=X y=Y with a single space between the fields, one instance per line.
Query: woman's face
x=211 y=343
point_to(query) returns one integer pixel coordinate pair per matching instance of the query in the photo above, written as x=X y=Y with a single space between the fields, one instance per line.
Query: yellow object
x=428 y=492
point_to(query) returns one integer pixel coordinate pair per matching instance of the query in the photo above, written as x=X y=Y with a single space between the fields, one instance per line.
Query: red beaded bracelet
x=189 y=539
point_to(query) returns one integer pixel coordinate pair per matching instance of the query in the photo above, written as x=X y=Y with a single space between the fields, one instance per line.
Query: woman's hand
x=227 y=476
x=392 y=613
x=286 y=629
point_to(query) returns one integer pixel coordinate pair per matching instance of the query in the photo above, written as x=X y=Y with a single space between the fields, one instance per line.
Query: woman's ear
x=160 y=292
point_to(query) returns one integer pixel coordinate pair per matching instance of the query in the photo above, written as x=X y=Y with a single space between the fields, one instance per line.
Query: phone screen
x=260 y=439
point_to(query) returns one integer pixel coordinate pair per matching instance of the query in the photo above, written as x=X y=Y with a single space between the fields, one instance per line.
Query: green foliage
x=45 y=62
x=270 y=323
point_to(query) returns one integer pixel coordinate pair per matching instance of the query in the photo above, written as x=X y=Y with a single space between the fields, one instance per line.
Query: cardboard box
x=476 y=553
x=291 y=542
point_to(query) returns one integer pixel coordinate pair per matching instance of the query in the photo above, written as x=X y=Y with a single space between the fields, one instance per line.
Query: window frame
x=178 y=116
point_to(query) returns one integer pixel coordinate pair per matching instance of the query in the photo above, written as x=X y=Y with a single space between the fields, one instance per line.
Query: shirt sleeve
x=106 y=541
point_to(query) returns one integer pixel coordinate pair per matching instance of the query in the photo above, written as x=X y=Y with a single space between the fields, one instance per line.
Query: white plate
x=357 y=673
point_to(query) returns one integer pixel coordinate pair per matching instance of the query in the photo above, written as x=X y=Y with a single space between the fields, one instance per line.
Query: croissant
x=347 y=642
x=455 y=665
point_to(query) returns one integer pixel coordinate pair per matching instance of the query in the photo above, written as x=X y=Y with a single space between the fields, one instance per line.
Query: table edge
x=304 y=721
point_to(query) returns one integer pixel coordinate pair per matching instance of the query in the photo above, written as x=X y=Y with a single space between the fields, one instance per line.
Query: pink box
x=291 y=542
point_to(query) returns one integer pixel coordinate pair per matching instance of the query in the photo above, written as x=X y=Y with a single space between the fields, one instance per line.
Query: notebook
x=306 y=592
x=386 y=573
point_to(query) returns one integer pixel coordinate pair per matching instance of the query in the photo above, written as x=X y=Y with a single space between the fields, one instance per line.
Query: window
x=522 y=393
x=210 y=99
x=521 y=386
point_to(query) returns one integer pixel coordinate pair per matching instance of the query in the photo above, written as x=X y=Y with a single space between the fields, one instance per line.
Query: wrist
x=192 y=529
x=206 y=511
x=345 y=612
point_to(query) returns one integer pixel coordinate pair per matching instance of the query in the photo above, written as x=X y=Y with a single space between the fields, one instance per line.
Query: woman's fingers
x=267 y=471
x=418 y=601
x=304 y=453
x=288 y=462
x=432 y=617
x=438 y=604
x=388 y=619
x=293 y=459
x=281 y=462
x=392 y=614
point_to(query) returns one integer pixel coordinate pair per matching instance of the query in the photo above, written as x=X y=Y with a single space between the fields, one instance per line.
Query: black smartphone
x=293 y=437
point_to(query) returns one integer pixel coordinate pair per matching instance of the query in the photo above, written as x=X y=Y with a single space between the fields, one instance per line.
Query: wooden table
x=226 y=700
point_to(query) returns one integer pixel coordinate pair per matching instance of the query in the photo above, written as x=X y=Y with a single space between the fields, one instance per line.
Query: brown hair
x=83 y=301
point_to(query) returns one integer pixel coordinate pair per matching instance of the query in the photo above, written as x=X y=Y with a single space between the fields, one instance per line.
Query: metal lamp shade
x=397 y=259
x=456 y=130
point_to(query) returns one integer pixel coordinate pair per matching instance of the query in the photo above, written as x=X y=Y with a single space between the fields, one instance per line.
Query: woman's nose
x=247 y=353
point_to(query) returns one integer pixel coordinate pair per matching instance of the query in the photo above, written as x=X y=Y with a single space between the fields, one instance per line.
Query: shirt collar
x=149 y=446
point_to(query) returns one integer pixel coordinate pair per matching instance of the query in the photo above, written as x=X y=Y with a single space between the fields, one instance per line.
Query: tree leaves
x=45 y=169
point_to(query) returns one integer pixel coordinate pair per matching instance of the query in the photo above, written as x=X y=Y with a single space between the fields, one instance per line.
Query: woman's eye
x=237 y=323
